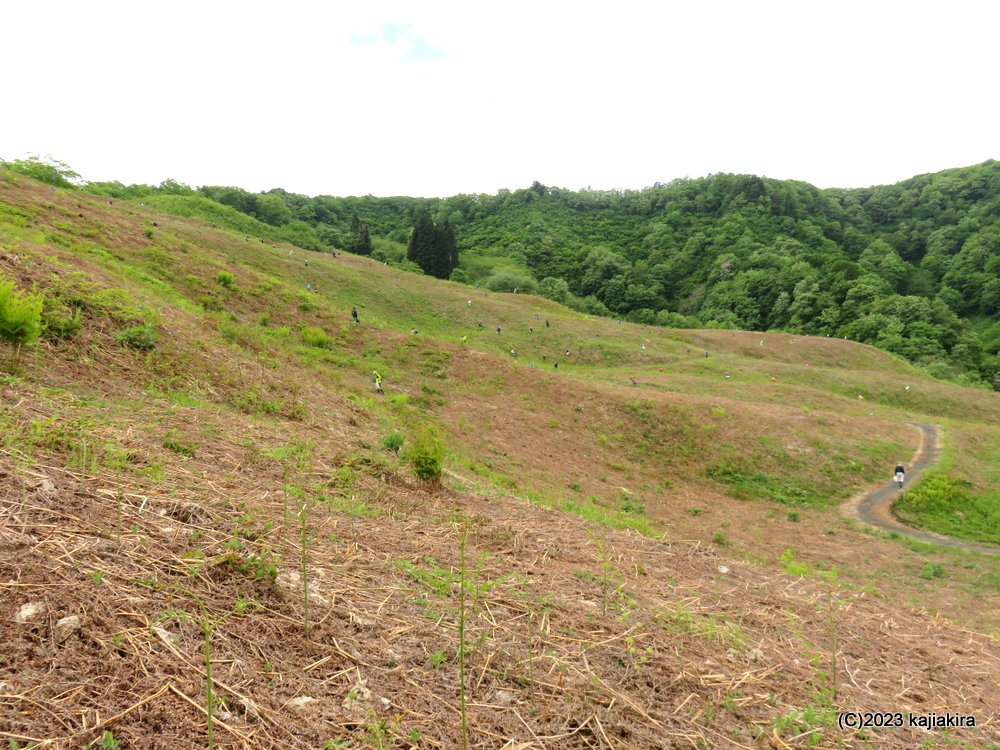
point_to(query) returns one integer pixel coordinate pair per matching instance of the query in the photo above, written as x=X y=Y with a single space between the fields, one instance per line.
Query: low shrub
x=393 y=441
x=20 y=317
x=58 y=322
x=426 y=454
x=138 y=337
x=317 y=337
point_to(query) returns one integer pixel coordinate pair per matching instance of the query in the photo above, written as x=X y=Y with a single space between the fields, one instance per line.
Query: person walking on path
x=378 y=381
x=900 y=475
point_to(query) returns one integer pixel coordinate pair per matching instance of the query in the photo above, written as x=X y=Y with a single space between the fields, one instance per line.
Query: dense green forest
x=913 y=268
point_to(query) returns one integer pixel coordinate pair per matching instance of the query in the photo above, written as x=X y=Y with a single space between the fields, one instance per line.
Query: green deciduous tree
x=48 y=170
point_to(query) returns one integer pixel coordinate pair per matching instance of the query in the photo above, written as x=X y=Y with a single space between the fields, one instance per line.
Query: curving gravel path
x=874 y=507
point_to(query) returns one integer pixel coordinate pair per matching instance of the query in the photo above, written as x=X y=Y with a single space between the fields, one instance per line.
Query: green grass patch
x=747 y=484
x=949 y=505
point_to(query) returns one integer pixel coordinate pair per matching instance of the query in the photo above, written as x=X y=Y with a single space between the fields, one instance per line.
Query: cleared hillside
x=634 y=574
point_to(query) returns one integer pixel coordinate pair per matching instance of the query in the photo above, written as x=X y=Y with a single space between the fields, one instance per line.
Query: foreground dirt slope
x=576 y=638
x=144 y=494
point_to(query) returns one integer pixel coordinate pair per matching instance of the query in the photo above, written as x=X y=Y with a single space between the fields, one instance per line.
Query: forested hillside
x=911 y=268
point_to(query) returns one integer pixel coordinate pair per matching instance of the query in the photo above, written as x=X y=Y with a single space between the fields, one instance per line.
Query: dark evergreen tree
x=421 y=248
x=362 y=240
x=447 y=249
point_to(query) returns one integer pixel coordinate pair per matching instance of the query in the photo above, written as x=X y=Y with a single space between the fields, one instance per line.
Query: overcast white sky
x=436 y=98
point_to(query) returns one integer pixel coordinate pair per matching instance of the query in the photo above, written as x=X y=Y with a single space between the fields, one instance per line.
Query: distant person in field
x=354 y=314
x=498 y=330
x=634 y=382
x=546 y=322
x=900 y=475
x=378 y=381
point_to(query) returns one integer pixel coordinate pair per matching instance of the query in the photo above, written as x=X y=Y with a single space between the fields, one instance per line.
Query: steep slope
x=158 y=494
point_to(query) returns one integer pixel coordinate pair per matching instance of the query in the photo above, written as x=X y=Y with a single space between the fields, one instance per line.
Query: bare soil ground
x=576 y=640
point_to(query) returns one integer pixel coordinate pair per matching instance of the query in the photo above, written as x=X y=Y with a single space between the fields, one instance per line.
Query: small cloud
x=418 y=49
x=393 y=32
x=363 y=41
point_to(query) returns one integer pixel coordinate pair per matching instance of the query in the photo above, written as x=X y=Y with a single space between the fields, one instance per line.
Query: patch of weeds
x=791 y=566
x=138 y=337
x=810 y=722
x=397 y=399
x=393 y=441
x=950 y=505
x=433 y=576
x=749 y=484
x=721 y=539
x=632 y=504
x=793 y=516
x=106 y=742
x=931 y=571
x=210 y=303
x=225 y=280
x=316 y=337
x=172 y=441
x=695 y=511
x=438 y=658
x=58 y=321
x=680 y=618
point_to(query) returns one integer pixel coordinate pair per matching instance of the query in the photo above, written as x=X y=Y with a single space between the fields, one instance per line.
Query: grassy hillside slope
x=650 y=565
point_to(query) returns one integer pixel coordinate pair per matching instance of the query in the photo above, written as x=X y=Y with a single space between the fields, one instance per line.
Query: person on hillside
x=354 y=314
x=900 y=475
x=546 y=322
x=634 y=382
x=378 y=381
x=498 y=330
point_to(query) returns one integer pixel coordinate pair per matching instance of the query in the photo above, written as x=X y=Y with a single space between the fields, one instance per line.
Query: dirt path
x=874 y=506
